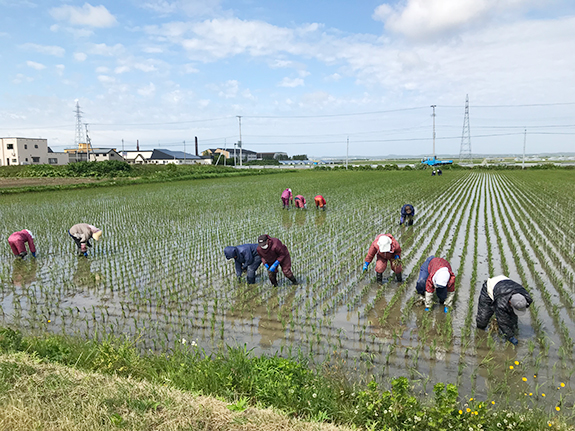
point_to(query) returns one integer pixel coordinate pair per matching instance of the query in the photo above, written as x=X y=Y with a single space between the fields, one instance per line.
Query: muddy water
x=167 y=279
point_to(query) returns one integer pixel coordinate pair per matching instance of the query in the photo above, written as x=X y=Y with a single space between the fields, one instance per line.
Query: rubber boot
x=23 y=254
x=293 y=280
x=379 y=277
x=399 y=277
x=273 y=278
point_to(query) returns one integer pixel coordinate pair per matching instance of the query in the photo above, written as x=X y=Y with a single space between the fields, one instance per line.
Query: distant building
x=278 y=155
x=247 y=155
x=29 y=151
x=104 y=154
x=164 y=157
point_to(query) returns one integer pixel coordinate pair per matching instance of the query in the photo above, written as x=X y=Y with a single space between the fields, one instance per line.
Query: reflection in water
x=320 y=217
x=24 y=272
x=300 y=216
x=287 y=219
x=271 y=324
x=83 y=277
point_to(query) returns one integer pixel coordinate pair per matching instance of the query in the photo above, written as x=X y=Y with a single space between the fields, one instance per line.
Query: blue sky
x=304 y=75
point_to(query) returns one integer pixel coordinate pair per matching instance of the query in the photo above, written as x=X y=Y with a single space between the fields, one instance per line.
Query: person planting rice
x=320 y=202
x=436 y=276
x=507 y=299
x=18 y=242
x=386 y=247
x=286 y=198
x=407 y=213
x=300 y=202
x=246 y=259
x=274 y=254
x=81 y=233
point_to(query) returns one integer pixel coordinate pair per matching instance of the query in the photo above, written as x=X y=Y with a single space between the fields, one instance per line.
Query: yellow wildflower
x=516 y=362
x=542 y=395
x=510 y=367
x=524 y=379
x=557 y=408
x=562 y=385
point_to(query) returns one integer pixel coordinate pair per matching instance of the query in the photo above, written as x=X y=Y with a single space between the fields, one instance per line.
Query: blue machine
x=432 y=161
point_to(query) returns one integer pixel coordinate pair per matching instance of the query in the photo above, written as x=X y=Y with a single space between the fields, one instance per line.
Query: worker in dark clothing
x=385 y=248
x=246 y=259
x=507 y=299
x=439 y=172
x=436 y=276
x=274 y=254
x=407 y=213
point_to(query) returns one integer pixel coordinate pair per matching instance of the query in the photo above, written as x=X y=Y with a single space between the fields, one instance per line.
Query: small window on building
x=14 y=160
x=9 y=146
x=35 y=145
x=35 y=159
x=26 y=158
x=53 y=161
x=25 y=146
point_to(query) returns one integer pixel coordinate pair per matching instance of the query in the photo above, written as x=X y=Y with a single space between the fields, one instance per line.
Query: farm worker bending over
x=273 y=254
x=320 y=202
x=386 y=248
x=247 y=259
x=81 y=234
x=407 y=213
x=18 y=242
x=435 y=275
x=286 y=198
x=507 y=299
x=300 y=202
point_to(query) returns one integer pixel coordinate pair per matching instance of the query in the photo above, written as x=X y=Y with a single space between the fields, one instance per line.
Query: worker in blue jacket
x=407 y=213
x=247 y=259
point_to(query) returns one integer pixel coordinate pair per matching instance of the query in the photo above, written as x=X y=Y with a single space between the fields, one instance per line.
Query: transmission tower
x=80 y=136
x=465 y=151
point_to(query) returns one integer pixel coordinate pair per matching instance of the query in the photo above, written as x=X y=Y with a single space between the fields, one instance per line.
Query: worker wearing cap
x=286 y=198
x=507 y=299
x=320 y=202
x=300 y=202
x=386 y=247
x=407 y=213
x=436 y=276
x=274 y=254
x=18 y=242
x=81 y=233
x=246 y=259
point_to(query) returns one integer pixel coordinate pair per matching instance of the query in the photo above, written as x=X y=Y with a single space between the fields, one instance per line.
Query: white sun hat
x=384 y=244
x=441 y=277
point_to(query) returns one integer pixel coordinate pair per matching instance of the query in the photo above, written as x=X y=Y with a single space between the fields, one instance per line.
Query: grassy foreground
x=59 y=383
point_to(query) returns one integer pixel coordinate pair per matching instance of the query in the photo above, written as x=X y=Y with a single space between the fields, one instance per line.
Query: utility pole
x=433 y=115
x=524 y=142
x=88 y=144
x=347 y=153
x=465 y=149
x=240 y=141
x=122 y=147
x=184 y=152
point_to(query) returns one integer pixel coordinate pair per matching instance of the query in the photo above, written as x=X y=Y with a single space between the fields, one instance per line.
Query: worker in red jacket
x=274 y=254
x=320 y=202
x=436 y=276
x=18 y=242
x=300 y=202
x=386 y=247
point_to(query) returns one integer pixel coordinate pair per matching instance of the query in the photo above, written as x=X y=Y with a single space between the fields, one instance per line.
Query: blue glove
x=397 y=256
x=34 y=253
x=85 y=254
x=267 y=266
x=445 y=309
x=426 y=309
x=275 y=265
x=365 y=265
x=513 y=341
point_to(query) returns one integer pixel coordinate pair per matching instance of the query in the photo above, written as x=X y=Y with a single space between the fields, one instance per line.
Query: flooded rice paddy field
x=159 y=272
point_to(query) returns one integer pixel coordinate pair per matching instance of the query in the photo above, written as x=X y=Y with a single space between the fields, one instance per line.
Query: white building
x=29 y=151
x=165 y=157
x=105 y=154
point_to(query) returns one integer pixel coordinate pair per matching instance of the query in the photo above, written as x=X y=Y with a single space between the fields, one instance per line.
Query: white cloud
x=60 y=69
x=34 y=65
x=107 y=50
x=148 y=90
x=102 y=69
x=227 y=90
x=277 y=64
x=419 y=19
x=57 y=51
x=80 y=56
x=191 y=8
x=87 y=15
x=121 y=69
x=21 y=78
x=153 y=50
x=288 y=82
x=105 y=79
x=145 y=67
x=189 y=68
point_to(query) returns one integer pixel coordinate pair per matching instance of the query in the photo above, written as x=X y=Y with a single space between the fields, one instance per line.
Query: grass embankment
x=110 y=173
x=168 y=392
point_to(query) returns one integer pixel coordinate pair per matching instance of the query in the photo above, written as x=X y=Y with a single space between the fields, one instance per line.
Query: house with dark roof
x=164 y=157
